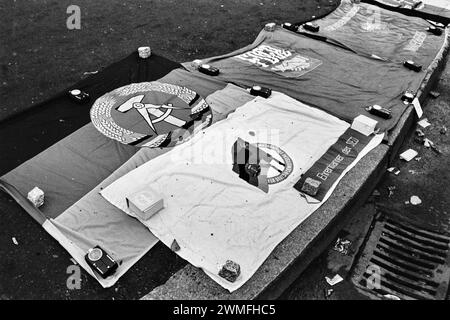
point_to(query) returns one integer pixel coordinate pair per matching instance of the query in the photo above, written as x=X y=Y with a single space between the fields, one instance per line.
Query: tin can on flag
x=408 y=97
x=289 y=26
x=270 y=26
x=196 y=63
x=144 y=52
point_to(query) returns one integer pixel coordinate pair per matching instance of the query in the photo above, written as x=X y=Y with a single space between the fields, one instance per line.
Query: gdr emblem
x=261 y=164
x=150 y=114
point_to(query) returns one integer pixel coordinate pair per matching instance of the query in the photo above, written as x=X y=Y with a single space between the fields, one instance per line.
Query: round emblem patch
x=261 y=164
x=281 y=165
x=151 y=114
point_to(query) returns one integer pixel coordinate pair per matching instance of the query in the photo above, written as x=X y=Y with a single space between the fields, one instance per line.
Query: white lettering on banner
x=374 y=23
x=352 y=142
x=416 y=42
x=344 y=20
x=264 y=52
x=297 y=63
x=329 y=169
x=282 y=61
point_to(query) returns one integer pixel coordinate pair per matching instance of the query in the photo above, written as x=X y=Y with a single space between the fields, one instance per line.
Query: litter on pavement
x=424 y=123
x=434 y=94
x=342 y=246
x=394 y=170
x=328 y=292
x=391 y=190
x=427 y=143
x=335 y=280
x=408 y=155
x=420 y=132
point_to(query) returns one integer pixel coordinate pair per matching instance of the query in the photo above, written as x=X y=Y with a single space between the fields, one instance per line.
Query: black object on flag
x=251 y=163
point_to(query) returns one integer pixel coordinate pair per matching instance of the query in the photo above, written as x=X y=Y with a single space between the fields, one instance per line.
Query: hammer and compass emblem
x=147 y=109
x=151 y=114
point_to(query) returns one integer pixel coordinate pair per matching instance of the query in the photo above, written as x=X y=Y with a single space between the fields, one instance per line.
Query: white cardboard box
x=145 y=203
x=364 y=124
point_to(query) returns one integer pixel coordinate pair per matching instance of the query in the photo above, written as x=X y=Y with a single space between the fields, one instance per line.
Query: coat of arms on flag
x=151 y=114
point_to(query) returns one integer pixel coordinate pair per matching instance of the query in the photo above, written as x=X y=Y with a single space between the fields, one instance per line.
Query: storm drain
x=403 y=261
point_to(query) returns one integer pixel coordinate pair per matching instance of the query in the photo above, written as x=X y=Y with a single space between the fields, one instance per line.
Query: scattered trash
x=415 y=200
x=14 y=240
x=408 y=155
x=391 y=297
x=420 y=133
x=434 y=94
x=435 y=149
x=335 y=280
x=394 y=170
x=413 y=172
x=328 y=293
x=55 y=256
x=391 y=190
x=342 y=246
x=443 y=130
x=418 y=140
x=427 y=143
x=424 y=123
x=90 y=72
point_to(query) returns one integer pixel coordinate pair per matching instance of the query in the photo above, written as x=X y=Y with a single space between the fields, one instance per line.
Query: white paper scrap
x=335 y=280
x=408 y=155
x=417 y=107
x=424 y=123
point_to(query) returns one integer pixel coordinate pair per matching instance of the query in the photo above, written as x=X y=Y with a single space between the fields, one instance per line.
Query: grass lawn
x=40 y=56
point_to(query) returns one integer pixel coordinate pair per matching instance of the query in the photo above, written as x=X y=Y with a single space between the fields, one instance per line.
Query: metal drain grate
x=403 y=260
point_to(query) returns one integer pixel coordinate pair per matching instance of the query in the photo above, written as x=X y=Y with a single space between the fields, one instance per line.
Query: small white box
x=144 y=52
x=36 y=196
x=145 y=203
x=364 y=124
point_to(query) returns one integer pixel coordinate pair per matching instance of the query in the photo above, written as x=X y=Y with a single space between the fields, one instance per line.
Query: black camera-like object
x=79 y=96
x=412 y=65
x=379 y=111
x=209 y=70
x=101 y=262
x=260 y=91
x=252 y=169
x=408 y=97
x=312 y=27
x=290 y=27
x=435 y=30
